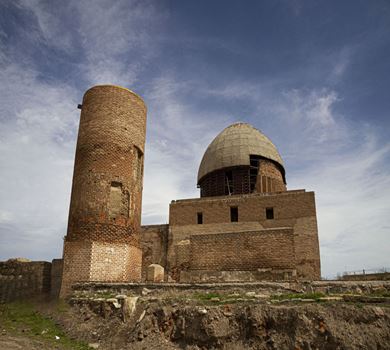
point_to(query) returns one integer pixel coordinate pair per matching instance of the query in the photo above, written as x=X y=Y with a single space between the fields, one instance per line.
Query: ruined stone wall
x=21 y=280
x=243 y=250
x=269 y=178
x=154 y=243
x=56 y=278
x=107 y=187
x=293 y=209
x=380 y=276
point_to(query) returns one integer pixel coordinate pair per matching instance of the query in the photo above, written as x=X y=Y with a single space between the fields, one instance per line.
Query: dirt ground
x=207 y=323
x=19 y=342
x=242 y=325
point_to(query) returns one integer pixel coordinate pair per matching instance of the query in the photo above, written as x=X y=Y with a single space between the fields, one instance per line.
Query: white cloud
x=350 y=178
x=49 y=24
x=341 y=160
x=39 y=123
x=39 y=118
x=176 y=139
x=117 y=43
x=114 y=40
x=340 y=61
x=117 y=39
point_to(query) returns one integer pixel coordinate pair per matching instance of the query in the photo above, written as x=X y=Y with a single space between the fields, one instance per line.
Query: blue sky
x=314 y=76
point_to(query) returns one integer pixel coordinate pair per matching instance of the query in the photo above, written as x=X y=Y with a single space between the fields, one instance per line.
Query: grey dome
x=234 y=145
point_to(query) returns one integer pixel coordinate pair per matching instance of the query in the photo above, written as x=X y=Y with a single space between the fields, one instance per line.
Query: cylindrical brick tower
x=102 y=241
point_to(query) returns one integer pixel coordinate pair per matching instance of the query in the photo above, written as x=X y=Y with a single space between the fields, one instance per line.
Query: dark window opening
x=229 y=183
x=234 y=214
x=253 y=170
x=138 y=164
x=269 y=213
x=116 y=184
x=200 y=218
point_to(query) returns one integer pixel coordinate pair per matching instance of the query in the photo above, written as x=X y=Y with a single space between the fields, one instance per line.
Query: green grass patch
x=208 y=296
x=62 y=306
x=380 y=293
x=22 y=318
x=221 y=299
x=315 y=296
x=105 y=295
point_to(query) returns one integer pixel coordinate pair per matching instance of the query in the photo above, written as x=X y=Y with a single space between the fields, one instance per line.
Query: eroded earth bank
x=338 y=316
x=349 y=316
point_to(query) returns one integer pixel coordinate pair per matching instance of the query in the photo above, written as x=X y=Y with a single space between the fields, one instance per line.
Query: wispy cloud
x=117 y=39
x=36 y=152
x=57 y=50
x=178 y=134
x=342 y=160
x=49 y=22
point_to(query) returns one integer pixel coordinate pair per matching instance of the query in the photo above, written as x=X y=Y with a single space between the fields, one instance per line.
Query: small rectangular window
x=138 y=164
x=269 y=213
x=234 y=214
x=200 y=218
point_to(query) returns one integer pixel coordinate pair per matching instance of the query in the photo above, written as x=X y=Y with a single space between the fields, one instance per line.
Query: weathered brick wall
x=154 y=243
x=19 y=280
x=56 y=278
x=118 y=262
x=288 y=206
x=307 y=250
x=109 y=158
x=215 y=183
x=107 y=185
x=76 y=264
x=293 y=209
x=221 y=276
x=269 y=178
x=272 y=248
x=380 y=276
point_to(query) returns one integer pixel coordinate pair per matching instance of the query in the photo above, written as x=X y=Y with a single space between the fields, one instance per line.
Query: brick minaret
x=102 y=241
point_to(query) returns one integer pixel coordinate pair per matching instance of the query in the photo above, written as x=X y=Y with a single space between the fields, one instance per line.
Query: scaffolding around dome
x=241 y=160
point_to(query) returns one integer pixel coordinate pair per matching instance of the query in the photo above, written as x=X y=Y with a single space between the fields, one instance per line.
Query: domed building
x=246 y=225
x=241 y=160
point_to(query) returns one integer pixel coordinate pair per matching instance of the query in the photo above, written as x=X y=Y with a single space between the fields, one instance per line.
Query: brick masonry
x=243 y=250
x=22 y=280
x=154 y=243
x=292 y=209
x=56 y=278
x=103 y=237
x=105 y=243
x=269 y=178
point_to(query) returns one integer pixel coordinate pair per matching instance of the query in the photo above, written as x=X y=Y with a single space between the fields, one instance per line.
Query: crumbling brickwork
x=21 y=280
x=154 y=243
x=105 y=209
x=269 y=178
x=56 y=277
